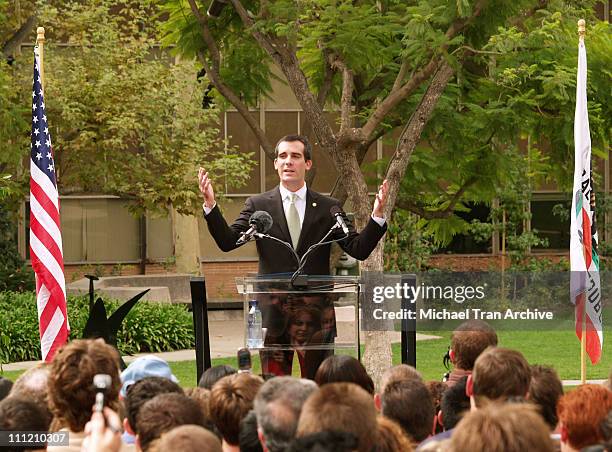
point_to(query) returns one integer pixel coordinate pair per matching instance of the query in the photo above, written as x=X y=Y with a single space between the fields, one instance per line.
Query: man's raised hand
x=381 y=200
x=206 y=188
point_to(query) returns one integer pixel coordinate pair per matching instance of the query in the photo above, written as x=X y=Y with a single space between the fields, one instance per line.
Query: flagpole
x=581 y=33
x=40 y=42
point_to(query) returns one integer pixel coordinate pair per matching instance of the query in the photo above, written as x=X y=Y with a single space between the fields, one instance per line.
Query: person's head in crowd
x=468 y=341
x=499 y=374
x=581 y=413
x=436 y=389
x=141 y=392
x=231 y=398
x=142 y=367
x=391 y=437
x=214 y=374
x=409 y=403
x=325 y=441
x=21 y=415
x=163 y=413
x=395 y=373
x=5 y=387
x=340 y=407
x=278 y=405
x=71 y=390
x=344 y=369
x=502 y=427
x=455 y=403
x=202 y=396
x=189 y=438
x=545 y=389
x=33 y=385
x=248 y=439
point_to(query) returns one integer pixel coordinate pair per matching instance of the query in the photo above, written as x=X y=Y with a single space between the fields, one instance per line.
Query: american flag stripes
x=45 y=235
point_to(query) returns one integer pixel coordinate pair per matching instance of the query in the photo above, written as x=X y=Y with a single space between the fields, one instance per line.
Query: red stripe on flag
x=56 y=297
x=593 y=347
x=45 y=202
x=587 y=244
x=46 y=239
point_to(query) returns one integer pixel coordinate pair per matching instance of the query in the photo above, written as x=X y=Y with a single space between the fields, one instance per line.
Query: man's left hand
x=381 y=200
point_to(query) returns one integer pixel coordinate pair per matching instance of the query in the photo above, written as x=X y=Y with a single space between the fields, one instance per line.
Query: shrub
x=149 y=327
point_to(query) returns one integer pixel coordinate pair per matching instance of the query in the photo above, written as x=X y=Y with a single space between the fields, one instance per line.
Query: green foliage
x=407 y=247
x=15 y=275
x=149 y=327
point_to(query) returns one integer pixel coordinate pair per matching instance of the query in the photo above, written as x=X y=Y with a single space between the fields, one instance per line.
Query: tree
x=384 y=64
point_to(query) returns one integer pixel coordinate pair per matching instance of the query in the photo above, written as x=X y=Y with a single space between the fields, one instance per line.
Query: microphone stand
x=260 y=235
x=299 y=281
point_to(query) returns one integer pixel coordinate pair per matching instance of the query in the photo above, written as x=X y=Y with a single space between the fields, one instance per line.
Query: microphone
x=337 y=212
x=260 y=222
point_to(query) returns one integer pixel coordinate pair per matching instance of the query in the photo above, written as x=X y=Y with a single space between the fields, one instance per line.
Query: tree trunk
x=377 y=356
x=186 y=241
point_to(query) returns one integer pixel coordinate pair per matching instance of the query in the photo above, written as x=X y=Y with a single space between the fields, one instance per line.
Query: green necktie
x=293 y=221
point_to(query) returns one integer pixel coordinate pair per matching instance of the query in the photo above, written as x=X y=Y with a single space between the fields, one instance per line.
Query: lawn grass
x=559 y=349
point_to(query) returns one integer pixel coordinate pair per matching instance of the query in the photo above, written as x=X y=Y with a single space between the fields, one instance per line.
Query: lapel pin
x=314 y=204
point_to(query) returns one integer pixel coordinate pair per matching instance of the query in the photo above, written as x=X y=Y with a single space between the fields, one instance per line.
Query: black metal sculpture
x=99 y=325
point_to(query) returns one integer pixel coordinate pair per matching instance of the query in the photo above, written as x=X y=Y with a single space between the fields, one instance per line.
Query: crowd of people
x=493 y=400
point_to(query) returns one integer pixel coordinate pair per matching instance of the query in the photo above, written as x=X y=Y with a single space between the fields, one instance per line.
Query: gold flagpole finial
x=40 y=35
x=581 y=28
x=40 y=42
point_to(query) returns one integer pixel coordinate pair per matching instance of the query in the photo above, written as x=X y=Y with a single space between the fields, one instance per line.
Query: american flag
x=45 y=235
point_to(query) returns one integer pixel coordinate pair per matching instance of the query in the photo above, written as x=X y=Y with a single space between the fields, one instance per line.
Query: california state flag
x=585 y=287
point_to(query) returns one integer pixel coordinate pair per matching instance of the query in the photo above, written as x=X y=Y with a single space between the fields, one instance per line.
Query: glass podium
x=312 y=321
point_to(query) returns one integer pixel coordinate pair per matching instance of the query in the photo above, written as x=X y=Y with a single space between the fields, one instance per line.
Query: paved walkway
x=226 y=336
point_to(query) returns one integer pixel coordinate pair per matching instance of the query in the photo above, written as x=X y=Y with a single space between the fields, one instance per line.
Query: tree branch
x=214 y=76
x=327 y=80
x=12 y=44
x=437 y=214
x=396 y=96
x=347 y=95
x=229 y=94
x=283 y=55
x=401 y=75
x=411 y=134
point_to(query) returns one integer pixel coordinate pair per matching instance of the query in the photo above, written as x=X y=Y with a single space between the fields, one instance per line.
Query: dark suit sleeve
x=226 y=235
x=360 y=245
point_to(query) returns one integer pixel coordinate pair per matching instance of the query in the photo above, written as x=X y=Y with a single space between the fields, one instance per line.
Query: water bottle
x=254 y=326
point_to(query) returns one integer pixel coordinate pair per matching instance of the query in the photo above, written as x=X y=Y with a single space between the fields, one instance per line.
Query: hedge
x=149 y=327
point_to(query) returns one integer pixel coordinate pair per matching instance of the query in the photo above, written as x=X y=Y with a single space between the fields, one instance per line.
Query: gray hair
x=278 y=405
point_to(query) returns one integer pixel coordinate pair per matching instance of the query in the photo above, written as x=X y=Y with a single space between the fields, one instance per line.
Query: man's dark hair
x=545 y=390
x=18 y=414
x=278 y=405
x=410 y=404
x=144 y=390
x=163 y=413
x=500 y=373
x=469 y=340
x=325 y=441
x=214 y=374
x=454 y=404
x=248 y=440
x=344 y=369
x=302 y=139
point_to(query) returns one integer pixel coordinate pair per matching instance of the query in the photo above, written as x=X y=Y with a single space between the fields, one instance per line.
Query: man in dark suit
x=300 y=216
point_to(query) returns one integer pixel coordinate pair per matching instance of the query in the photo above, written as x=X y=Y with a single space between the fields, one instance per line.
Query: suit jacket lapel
x=310 y=216
x=278 y=214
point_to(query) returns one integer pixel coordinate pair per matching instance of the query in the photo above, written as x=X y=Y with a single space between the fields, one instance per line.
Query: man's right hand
x=206 y=188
